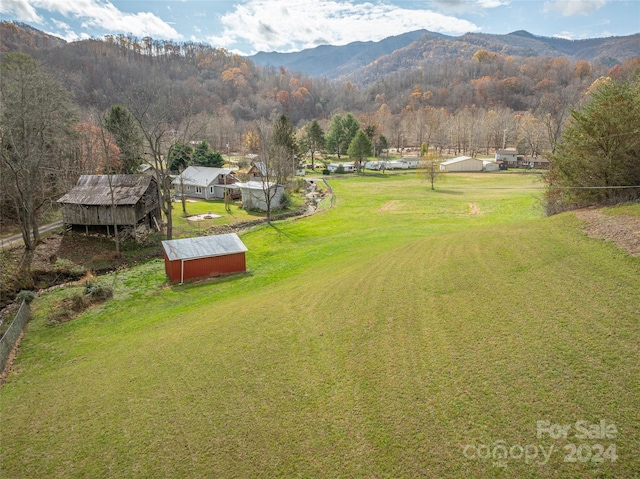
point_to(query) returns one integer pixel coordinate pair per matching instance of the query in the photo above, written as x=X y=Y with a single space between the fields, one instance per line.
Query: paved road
x=16 y=240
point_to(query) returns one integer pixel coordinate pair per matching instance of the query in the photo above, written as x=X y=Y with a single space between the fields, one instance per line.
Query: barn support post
x=181 y=271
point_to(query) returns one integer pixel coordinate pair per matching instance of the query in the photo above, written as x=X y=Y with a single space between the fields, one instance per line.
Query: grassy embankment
x=376 y=339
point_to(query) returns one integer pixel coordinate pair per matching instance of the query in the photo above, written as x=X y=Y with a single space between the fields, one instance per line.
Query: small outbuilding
x=462 y=163
x=204 y=256
x=255 y=193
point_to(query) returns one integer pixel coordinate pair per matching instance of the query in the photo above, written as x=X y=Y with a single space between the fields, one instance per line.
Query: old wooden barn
x=106 y=200
x=204 y=256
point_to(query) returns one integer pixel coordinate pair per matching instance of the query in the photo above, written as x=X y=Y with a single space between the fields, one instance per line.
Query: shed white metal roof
x=203 y=247
x=256 y=185
x=458 y=160
x=200 y=175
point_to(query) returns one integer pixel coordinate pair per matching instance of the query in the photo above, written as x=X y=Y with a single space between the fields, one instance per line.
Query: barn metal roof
x=203 y=247
x=95 y=190
x=458 y=160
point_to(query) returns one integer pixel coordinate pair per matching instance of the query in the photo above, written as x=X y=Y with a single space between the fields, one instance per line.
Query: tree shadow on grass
x=280 y=232
x=449 y=192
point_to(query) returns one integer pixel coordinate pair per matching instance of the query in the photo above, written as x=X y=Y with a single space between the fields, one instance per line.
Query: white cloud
x=569 y=8
x=95 y=14
x=293 y=25
x=22 y=10
x=468 y=6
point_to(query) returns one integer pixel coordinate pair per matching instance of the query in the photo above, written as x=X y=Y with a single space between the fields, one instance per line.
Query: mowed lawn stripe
x=379 y=351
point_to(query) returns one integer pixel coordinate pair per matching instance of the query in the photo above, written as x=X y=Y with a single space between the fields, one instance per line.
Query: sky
x=249 y=26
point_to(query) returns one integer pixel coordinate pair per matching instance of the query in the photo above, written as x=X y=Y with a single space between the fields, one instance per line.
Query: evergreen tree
x=203 y=155
x=313 y=139
x=284 y=147
x=120 y=123
x=600 y=149
x=360 y=148
x=180 y=156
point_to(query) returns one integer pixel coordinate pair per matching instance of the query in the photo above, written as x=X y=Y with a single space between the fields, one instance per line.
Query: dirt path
x=16 y=240
x=623 y=230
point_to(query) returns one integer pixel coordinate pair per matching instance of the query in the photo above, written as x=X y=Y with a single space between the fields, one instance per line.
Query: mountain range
x=362 y=60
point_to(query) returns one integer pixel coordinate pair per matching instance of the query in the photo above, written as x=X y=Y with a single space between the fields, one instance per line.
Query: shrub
x=26 y=296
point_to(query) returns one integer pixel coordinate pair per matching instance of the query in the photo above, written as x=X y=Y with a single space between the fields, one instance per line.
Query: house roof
x=260 y=167
x=507 y=151
x=95 y=190
x=255 y=185
x=458 y=160
x=199 y=175
x=203 y=247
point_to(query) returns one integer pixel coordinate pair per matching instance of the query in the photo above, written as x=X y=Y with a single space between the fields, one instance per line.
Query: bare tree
x=164 y=120
x=430 y=168
x=277 y=155
x=36 y=116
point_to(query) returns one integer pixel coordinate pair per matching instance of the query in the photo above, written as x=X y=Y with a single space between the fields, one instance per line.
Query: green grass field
x=403 y=333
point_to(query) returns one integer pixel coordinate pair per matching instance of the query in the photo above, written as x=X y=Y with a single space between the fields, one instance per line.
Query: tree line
x=120 y=106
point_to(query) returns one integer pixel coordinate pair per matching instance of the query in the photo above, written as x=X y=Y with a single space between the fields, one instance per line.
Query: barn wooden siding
x=203 y=267
x=89 y=202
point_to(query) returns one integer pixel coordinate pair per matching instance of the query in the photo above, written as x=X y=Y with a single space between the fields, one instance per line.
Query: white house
x=462 y=163
x=348 y=167
x=203 y=182
x=411 y=162
x=254 y=195
x=396 y=165
x=508 y=155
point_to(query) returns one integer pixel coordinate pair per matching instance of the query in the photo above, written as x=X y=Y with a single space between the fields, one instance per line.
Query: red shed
x=204 y=256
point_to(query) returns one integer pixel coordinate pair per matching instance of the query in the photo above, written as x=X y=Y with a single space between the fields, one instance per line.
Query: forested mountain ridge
x=421 y=48
x=477 y=77
x=334 y=61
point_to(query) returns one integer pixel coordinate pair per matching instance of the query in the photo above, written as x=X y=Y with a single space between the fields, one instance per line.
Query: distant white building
x=348 y=167
x=490 y=165
x=462 y=163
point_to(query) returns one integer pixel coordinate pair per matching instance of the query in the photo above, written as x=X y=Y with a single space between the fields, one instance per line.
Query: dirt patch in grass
x=623 y=230
x=390 y=205
x=208 y=216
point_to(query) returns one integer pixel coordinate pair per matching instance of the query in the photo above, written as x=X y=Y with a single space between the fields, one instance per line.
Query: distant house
x=508 y=156
x=257 y=170
x=349 y=167
x=105 y=200
x=254 y=195
x=203 y=182
x=538 y=163
x=204 y=256
x=462 y=163
x=411 y=162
